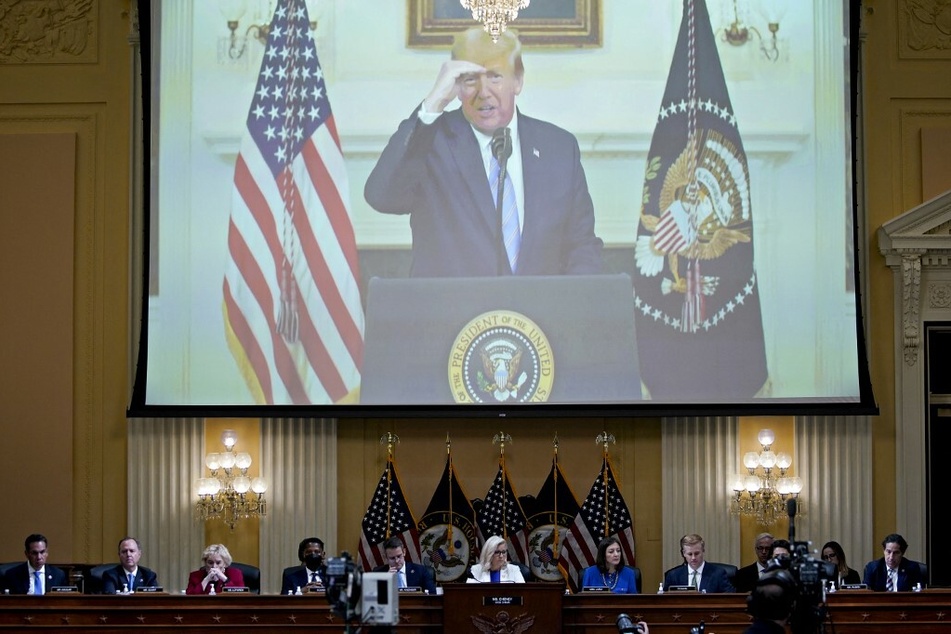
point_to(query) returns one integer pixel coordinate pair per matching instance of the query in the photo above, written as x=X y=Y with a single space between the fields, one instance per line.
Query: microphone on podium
x=791 y=512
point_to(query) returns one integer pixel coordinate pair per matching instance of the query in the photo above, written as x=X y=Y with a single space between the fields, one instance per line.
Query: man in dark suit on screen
x=893 y=573
x=441 y=167
x=310 y=574
x=702 y=575
x=33 y=576
x=408 y=574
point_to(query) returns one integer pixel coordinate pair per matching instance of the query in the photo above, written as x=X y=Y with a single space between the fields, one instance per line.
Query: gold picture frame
x=555 y=23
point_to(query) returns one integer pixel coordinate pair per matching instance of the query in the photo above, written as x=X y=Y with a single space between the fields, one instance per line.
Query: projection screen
x=316 y=247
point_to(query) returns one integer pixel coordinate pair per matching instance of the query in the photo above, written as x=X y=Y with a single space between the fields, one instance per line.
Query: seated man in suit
x=704 y=576
x=893 y=573
x=747 y=576
x=408 y=574
x=310 y=574
x=128 y=575
x=33 y=576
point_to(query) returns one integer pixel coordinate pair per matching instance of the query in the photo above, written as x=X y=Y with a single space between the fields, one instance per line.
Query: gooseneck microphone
x=501 y=150
x=791 y=512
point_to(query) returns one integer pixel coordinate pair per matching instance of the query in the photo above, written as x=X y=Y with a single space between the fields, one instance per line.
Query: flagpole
x=390 y=439
x=452 y=547
x=604 y=438
x=502 y=438
x=554 y=543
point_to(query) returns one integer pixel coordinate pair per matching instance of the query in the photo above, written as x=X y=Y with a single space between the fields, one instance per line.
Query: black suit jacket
x=115 y=579
x=17 y=579
x=435 y=173
x=714 y=578
x=746 y=578
x=417 y=576
x=876 y=575
x=297 y=577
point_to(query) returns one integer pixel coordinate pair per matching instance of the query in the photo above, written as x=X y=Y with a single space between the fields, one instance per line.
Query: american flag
x=602 y=514
x=501 y=514
x=293 y=316
x=387 y=516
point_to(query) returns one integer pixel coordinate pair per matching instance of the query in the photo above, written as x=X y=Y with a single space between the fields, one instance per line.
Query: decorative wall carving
x=49 y=31
x=911 y=289
x=925 y=27
x=939 y=295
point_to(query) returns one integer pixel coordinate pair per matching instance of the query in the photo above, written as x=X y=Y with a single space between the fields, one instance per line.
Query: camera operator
x=771 y=603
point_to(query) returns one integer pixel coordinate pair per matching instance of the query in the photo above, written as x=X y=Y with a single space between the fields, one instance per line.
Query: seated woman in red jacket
x=214 y=572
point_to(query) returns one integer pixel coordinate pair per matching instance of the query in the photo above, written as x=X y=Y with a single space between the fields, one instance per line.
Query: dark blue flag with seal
x=447 y=530
x=697 y=303
x=551 y=514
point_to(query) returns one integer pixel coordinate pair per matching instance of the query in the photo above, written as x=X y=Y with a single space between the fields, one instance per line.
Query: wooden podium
x=502 y=607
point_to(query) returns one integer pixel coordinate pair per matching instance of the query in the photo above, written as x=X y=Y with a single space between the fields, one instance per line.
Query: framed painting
x=559 y=23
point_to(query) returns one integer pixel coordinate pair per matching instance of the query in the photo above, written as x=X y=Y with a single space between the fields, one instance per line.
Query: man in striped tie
x=444 y=167
x=893 y=572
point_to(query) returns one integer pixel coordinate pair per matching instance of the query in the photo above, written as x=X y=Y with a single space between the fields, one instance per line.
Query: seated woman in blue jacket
x=609 y=570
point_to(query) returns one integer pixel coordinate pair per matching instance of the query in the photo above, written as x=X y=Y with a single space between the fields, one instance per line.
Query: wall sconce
x=759 y=493
x=738 y=33
x=234 y=10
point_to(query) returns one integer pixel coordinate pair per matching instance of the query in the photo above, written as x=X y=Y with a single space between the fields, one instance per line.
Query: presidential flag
x=388 y=515
x=501 y=514
x=696 y=294
x=603 y=514
x=447 y=530
x=292 y=311
x=551 y=513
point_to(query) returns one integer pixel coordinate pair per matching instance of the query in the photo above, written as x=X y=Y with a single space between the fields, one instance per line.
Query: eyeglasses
x=829 y=557
x=501 y=553
x=764 y=549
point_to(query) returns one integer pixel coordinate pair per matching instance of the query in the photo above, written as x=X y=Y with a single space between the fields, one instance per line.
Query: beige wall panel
x=935 y=161
x=36 y=338
x=914 y=118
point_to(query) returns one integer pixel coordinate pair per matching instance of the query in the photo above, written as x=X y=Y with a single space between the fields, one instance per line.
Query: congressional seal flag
x=388 y=515
x=696 y=294
x=603 y=514
x=551 y=514
x=447 y=530
x=291 y=299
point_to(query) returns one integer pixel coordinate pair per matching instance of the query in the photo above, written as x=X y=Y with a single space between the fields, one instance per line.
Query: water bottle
x=660 y=588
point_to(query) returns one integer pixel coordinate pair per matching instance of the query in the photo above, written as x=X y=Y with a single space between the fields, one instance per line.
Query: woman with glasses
x=609 y=570
x=494 y=566
x=833 y=553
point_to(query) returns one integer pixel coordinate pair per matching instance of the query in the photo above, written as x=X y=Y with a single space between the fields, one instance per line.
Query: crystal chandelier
x=229 y=494
x=760 y=493
x=494 y=14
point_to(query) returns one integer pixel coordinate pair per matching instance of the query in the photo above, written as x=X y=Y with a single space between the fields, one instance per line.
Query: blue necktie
x=511 y=232
x=399 y=579
x=37 y=582
x=131 y=581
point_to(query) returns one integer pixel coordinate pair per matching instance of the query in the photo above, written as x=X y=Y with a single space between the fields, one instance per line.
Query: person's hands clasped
x=446 y=88
x=215 y=574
